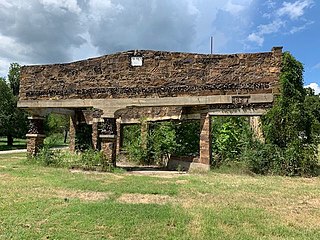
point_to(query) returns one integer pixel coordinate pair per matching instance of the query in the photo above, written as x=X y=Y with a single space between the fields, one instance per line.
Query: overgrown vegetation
x=162 y=140
x=291 y=124
x=231 y=135
x=291 y=129
x=56 y=128
x=88 y=159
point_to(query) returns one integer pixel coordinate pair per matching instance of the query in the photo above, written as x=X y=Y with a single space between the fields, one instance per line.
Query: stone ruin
x=110 y=91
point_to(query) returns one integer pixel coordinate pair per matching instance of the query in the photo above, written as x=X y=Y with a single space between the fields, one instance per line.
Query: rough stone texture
x=132 y=114
x=95 y=135
x=72 y=133
x=205 y=139
x=190 y=166
x=119 y=136
x=108 y=147
x=256 y=126
x=35 y=135
x=108 y=138
x=34 y=143
x=163 y=74
x=36 y=125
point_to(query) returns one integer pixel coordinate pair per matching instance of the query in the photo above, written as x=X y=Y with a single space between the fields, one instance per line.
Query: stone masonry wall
x=162 y=74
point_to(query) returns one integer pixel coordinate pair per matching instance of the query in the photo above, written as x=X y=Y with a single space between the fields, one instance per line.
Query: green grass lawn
x=56 y=140
x=17 y=144
x=52 y=203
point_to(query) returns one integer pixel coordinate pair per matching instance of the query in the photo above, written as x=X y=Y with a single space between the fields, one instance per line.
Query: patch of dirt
x=299 y=212
x=96 y=173
x=182 y=181
x=68 y=194
x=138 y=198
x=161 y=174
x=6 y=177
x=82 y=195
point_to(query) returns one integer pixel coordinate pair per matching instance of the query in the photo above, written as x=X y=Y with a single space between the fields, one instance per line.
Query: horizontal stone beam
x=237 y=112
x=110 y=106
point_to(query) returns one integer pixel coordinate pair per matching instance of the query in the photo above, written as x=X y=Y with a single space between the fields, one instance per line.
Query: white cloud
x=253 y=37
x=315 y=87
x=234 y=8
x=4 y=66
x=272 y=27
x=296 y=9
x=281 y=20
x=258 y=37
x=5 y=3
x=296 y=29
x=49 y=31
x=317 y=66
x=62 y=5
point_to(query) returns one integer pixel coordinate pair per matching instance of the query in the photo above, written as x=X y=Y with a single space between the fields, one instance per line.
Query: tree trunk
x=9 y=140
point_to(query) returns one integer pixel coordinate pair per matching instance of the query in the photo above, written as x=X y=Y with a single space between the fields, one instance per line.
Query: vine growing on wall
x=288 y=125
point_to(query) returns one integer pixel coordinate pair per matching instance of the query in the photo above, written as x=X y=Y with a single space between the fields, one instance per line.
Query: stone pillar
x=144 y=134
x=108 y=138
x=95 y=134
x=35 y=135
x=255 y=124
x=119 y=136
x=205 y=139
x=72 y=133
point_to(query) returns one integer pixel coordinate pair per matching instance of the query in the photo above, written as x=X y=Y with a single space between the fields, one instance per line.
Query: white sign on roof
x=136 y=61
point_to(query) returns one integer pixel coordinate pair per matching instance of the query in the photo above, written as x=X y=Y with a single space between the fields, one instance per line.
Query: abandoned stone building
x=110 y=91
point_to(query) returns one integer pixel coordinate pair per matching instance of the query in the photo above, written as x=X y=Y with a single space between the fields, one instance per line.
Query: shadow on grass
x=17 y=144
x=142 y=168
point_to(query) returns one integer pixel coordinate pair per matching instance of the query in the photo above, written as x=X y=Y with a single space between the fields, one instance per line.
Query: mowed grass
x=51 y=203
x=17 y=144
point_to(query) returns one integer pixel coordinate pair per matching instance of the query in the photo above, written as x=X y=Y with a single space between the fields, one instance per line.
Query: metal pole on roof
x=211 y=44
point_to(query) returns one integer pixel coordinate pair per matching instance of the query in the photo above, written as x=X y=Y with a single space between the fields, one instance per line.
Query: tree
x=312 y=106
x=288 y=125
x=288 y=120
x=14 y=78
x=13 y=121
x=6 y=106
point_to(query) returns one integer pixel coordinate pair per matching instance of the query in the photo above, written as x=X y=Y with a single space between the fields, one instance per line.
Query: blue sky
x=54 y=31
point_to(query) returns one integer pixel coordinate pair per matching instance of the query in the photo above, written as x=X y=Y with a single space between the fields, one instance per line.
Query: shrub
x=230 y=136
x=295 y=160
x=289 y=125
x=187 y=138
x=87 y=160
x=93 y=160
x=262 y=158
x=161 y=142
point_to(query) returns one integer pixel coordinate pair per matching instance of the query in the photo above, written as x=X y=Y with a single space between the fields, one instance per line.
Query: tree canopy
x=13 y=121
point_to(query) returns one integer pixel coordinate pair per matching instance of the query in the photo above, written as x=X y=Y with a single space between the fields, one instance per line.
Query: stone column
x=35 y=135
x=95 y=134
x=72 y=133
x=108 y=138
x=144 y=134
x=205 y=139
x=119 y=135
x=255 y=124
